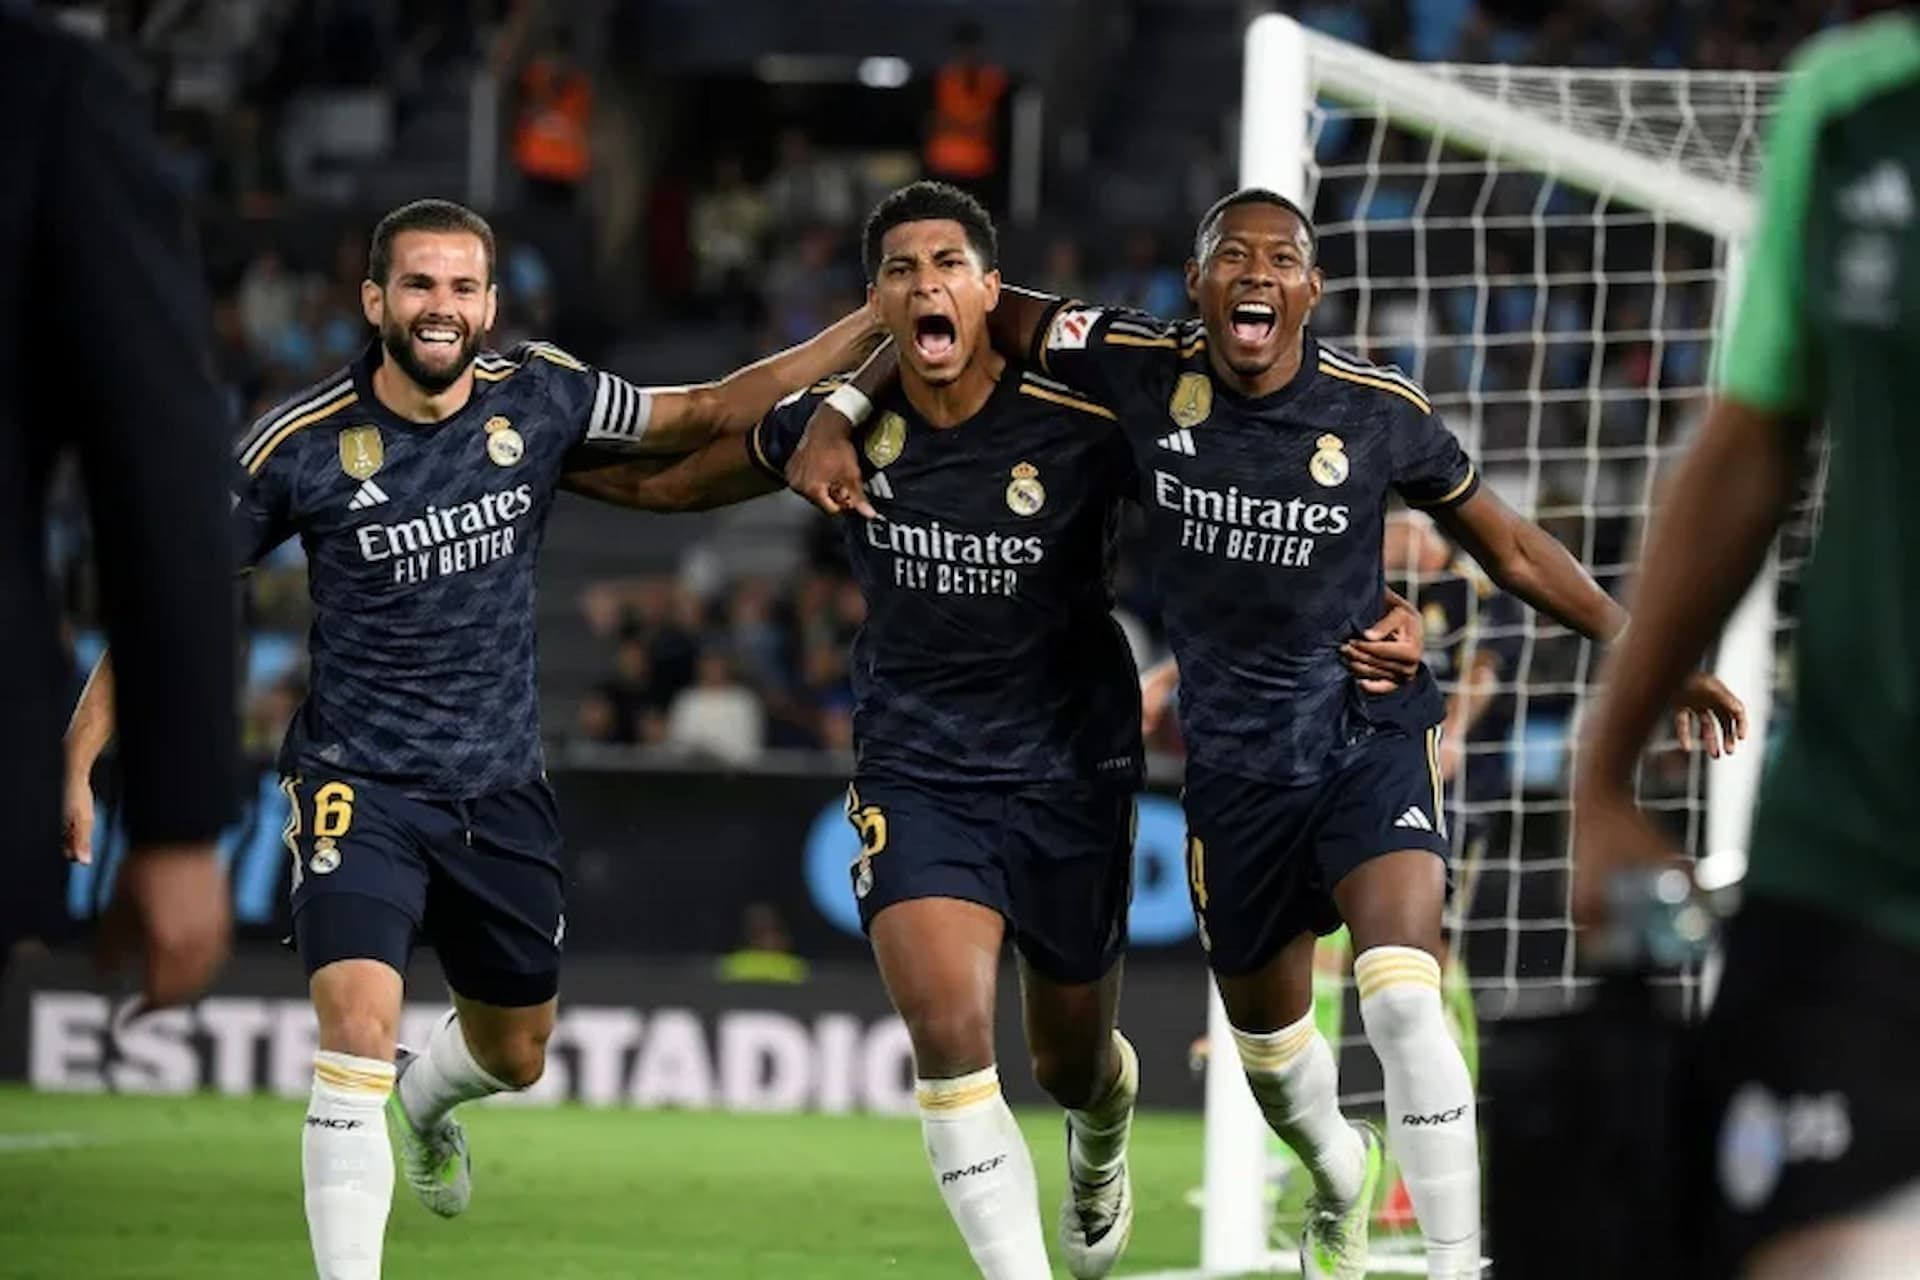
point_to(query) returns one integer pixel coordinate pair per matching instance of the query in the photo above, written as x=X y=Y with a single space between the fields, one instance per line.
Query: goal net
x=1549 y=252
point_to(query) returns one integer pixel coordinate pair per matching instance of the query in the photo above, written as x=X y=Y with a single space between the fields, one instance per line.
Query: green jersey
x=1828 y=329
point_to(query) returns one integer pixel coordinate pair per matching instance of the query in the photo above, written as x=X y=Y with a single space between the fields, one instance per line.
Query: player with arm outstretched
x=1266 y=461
x=996 y=725
x=419 y=479
x=1799 y=1153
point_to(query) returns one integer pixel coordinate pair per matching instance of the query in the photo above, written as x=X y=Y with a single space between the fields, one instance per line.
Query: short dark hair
x=424 y=215
x=1253 y=195
x=923 y=202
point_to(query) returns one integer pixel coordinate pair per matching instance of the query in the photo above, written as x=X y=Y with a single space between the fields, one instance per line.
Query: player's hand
x=76 y=828
x=1453 y=752
x=1707 y=713
x=825 y=469
x=1387 y=654
x=171 y=911
x=1611 y=836
x=1156 y=694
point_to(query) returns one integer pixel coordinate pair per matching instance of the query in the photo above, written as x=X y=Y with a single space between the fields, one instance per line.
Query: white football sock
x=1099 y=1141
x=1297 y=1083
x=444 y=1076
x=346 y=1164
x=1431 y=1122
x=985 y=1174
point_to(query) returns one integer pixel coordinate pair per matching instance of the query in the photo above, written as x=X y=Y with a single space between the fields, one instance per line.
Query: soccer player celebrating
x=1265 y=462
x=1804 y=1162
x=996 y=726
x=419 y=479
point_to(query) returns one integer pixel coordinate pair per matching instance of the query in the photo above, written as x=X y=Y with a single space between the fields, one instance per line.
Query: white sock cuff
x=448 y=1045
x=1377 y=968
x=959 y=1094
x=1266 y=1052
x=347 y=1076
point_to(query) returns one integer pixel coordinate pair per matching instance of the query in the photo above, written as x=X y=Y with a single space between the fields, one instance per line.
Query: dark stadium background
x=693 y=671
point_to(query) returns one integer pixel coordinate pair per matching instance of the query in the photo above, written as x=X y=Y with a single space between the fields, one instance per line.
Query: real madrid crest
x=1328 y=466
x=1192 y=399
x=1025 y=494
x=361 y=453
x=326 y=856
x=886 y=440
x=504 y=444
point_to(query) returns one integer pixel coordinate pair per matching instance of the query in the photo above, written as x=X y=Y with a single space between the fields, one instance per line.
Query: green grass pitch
x=208 y=1188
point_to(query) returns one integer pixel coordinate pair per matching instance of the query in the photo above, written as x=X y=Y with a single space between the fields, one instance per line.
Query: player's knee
x=517 y=1060
x=364 y=1030
x=949 y=1042
x=1071 y=1076
x=1401 y=1008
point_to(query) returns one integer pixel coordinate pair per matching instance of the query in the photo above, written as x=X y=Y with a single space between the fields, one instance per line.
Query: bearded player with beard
x=419 y=480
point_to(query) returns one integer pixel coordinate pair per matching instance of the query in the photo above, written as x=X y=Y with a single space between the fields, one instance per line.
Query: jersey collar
x=1303 y=378
x=1005 y=387
x=369 y=360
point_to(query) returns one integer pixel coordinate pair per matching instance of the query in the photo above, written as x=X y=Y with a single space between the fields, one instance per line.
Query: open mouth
x=436 y=335
x=933 y=336
x=1253 y=322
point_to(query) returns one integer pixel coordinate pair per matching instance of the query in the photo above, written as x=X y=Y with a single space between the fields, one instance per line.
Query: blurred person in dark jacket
x=102 y=351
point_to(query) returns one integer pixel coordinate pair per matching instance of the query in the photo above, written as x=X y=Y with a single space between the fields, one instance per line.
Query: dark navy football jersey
x=989 y=653
x=1466 y=617
x=421 y=541
x=1264 y=523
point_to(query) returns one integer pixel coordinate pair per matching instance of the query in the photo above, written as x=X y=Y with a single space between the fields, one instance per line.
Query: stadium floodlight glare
x=884 y=73
x=1550 y=252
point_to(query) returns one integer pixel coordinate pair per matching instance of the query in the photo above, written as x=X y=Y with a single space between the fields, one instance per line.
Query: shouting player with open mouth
x=1266 y=460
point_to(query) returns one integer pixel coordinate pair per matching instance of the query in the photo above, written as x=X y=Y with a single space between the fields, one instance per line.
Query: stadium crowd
x=764 y=258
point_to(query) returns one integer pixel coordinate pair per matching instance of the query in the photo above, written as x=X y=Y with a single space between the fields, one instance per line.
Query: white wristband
x=852 y=403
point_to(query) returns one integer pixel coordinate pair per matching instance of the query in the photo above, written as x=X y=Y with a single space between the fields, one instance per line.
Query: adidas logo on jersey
x=1180 y=441
x=1882 y=197
x=1415 y=818
x=367 y=495
x=879 y=486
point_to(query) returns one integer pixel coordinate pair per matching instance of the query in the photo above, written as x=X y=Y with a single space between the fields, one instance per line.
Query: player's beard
x=398 y=340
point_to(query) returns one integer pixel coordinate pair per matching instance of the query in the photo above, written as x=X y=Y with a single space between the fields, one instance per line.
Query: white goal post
x=1629 y=192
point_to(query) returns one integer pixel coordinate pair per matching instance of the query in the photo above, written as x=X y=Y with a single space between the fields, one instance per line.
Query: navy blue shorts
x=376 y=871
x=1262 y=859
x=1056 y=860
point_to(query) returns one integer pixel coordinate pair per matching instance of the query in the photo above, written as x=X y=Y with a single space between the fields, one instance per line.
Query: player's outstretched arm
x=1530 y=562
x=88 y=733
x=1706 y=543
x=685 y=418
x=1014 y=325
x=718 y=474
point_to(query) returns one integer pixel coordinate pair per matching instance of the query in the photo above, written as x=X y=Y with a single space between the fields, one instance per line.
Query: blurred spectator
x=269 y=301
x=728 y=223
x=526 y=296
x=718 y=716
x=808 y=287
x=633 y=702
x=963 y=132
x=552 y=123
x=1144 y=280
x=765 y=953
x=753 y=636
x=1062 y=273
x=807 y=189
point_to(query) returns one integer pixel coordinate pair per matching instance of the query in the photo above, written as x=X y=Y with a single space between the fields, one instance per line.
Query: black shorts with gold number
x=1055 y=859
x=375 y=871
x=1262 y=859
x=1798 y=1104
